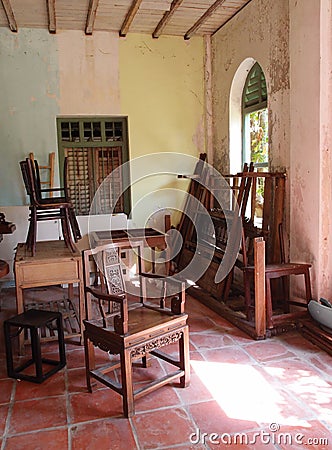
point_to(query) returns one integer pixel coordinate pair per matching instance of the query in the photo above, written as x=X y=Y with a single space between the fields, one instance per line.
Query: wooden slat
x=111 y=14
x=166 y=18
x=90 y=21
x=202 y=19
x=130 y=17
x=260 y=313
x=51 y=16
x=10 y=15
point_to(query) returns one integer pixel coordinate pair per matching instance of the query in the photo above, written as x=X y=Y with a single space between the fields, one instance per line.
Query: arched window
x=255 y=119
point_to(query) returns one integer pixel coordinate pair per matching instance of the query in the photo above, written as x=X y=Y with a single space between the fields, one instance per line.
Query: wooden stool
x=34 y=320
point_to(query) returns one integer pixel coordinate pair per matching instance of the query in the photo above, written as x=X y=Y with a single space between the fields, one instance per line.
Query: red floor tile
x=164 y=397
x=238 y=385
x=231 y=354
x=313 y=435
x=99 y=404
x=103 y=435
x=264 y=351
x=3 y=416
x=210 y=418
x=203 y=341
x=53 y=386
x=38 y=414
x=77 y=380
x=165 y=428
x=6 y=389
x=200 y=323
x=50 y=439
x=195 y=392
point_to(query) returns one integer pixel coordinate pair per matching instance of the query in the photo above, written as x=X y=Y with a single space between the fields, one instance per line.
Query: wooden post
x=260 y=307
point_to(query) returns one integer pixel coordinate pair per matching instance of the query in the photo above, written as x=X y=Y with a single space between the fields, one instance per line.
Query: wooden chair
x=239 y=191
x=281 y=271
x=46 y=208
x=130 y=329
x=52 y=197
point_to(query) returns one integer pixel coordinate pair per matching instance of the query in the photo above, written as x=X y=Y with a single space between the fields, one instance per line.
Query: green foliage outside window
x=259 y=139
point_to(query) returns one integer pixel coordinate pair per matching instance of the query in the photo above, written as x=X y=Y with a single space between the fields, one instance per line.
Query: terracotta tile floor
x=272 y=394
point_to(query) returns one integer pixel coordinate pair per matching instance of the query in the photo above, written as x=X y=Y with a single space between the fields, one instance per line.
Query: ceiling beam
x=90 y=20
x=202 y=19
x=51 y=16
x=130 y=17
x=166 y=18
x=10 y=15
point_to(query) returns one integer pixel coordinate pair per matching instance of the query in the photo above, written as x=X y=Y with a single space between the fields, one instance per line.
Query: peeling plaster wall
x=88 y=73
x=260 y=32
x=311 y=138
x=292 y=41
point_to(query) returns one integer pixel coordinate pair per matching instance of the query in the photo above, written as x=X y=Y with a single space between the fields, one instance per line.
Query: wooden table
x=151 y=237
x=53 y=264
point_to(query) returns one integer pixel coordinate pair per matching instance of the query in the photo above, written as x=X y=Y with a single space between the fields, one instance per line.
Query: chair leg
x=184 y=358
x=285 y=288
x=66 y=230
x=247 y=296
x=32 y=233
x=74 y=225
x=227 y=285
x=146 y=361
x=127 y=383
x=269 y=310
x=89 y=353
x=307 y=285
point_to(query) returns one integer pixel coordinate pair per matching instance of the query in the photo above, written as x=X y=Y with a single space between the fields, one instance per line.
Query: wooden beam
x=51 y=16
x=10 y=15
x=166 y=18
x=202 y=19
x=260 y=309
x=130 y=17
x=90 y=20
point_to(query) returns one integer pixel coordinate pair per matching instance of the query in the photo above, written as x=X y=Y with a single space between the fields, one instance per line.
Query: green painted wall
x=28 y=106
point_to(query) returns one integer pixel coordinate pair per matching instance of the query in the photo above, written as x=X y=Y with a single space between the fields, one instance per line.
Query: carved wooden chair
x=132 y=323
x=282 y=271
x=47 y=208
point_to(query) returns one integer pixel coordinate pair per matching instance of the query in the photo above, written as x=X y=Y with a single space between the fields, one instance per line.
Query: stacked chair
x=44 y=205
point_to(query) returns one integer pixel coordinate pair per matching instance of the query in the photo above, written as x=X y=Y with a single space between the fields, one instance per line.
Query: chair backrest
x=105 y=270
x=29 y=178
x=115 y=295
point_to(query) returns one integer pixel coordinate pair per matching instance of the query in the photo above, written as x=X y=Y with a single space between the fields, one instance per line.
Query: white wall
x=50 y=230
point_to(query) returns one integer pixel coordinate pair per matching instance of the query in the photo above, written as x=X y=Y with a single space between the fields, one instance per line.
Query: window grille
x=95 y=148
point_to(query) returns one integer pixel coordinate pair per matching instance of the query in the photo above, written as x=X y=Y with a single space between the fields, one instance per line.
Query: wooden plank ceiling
x=157 y=17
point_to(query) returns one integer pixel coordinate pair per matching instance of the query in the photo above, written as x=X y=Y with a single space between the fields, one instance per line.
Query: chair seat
x=143 y=319
x=283 y=269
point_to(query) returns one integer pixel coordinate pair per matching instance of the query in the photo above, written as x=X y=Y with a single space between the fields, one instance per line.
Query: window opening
x=255 y=129
x=95 y=147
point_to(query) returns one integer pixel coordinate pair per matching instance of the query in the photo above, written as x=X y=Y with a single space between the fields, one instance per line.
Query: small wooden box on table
x=53 y=264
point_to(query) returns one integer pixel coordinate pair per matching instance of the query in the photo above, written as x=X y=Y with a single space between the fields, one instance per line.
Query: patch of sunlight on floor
x=243 y=393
